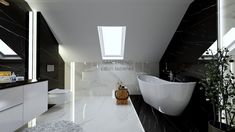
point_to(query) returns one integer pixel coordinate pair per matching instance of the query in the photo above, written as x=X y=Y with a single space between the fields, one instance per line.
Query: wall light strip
x=34 y=46
x=72 y=76
x=72 y=89
x=221 y=40
x=220 y=24
x=30 y=56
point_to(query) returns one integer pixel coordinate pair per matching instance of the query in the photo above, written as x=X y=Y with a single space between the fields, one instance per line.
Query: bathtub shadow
x=193 y=119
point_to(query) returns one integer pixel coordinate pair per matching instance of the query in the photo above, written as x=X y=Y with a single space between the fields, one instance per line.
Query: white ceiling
x=150 y=25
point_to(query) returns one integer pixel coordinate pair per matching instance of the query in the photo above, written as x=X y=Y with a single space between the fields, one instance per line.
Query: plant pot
x=215 y=127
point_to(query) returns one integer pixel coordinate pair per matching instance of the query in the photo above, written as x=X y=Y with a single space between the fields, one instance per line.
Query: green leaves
x=219 y=84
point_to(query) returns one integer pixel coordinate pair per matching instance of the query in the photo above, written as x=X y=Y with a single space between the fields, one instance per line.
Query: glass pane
x=112 y=38
x=5 y=49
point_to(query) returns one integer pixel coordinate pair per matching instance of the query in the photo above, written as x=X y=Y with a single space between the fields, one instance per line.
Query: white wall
x=227 y=23
x=150 y=25
x=67 y=75
x=101 y=78
x=227 y=15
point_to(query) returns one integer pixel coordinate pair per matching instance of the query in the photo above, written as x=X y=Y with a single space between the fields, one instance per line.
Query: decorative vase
x=122 y=95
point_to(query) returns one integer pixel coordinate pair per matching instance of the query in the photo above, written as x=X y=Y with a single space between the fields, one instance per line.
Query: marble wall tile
x=48 y=54
x=191 y=120
x=16 y=66
x=14 y=32
x=195 y=34
x=101 y=78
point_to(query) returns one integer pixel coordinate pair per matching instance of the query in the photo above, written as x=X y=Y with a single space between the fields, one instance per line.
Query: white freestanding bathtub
x=170 y=98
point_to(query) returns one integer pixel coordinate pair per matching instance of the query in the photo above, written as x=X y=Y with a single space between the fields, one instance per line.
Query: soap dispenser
x=171 y=76
x=13 y=77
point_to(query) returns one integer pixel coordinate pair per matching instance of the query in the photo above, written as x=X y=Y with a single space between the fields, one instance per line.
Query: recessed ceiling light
x=112 y=42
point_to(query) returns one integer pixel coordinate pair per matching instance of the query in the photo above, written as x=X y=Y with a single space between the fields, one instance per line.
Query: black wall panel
x=14 y=32
x=48 y=54
x=195 y=34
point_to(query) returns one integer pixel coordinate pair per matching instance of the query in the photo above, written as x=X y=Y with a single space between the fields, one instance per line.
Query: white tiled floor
x=96 y=114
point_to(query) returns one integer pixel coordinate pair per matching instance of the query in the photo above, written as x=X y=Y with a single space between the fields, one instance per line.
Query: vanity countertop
x=96 y=114
x=19 y=83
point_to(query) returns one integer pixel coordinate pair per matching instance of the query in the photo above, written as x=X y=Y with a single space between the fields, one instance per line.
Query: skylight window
x=112 y=42
x=5 y=49
x=212 y=50
x=228 y=42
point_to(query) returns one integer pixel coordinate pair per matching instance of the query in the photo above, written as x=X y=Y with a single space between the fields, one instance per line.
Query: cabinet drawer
x=35 y=100
x=11 y=119
x=11 y=97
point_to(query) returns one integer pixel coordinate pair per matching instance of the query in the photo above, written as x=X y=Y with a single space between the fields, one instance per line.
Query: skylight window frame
x=6 y=53
x=112 y=57
x=9 y=52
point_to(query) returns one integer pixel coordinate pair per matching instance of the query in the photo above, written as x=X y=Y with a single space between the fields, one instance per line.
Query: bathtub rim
x=167 y=82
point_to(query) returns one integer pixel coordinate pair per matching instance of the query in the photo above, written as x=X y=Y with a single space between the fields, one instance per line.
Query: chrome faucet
x=171 y=76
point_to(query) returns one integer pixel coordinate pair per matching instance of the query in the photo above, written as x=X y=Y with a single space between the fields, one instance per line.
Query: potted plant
x=219 y=87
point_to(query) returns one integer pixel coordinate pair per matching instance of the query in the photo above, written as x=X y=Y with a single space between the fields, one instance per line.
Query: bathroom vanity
x=20 y=102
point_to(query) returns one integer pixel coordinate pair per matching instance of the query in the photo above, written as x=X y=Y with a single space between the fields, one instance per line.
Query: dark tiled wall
x=48 y=54
x=195 y=34
x=155 y=121
x=17 y=66
x=14 y=32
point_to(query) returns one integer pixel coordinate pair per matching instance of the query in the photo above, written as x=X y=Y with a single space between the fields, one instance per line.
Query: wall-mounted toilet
x=59 y=96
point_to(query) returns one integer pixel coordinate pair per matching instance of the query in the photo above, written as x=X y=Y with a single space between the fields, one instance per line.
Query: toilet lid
x=58 y=91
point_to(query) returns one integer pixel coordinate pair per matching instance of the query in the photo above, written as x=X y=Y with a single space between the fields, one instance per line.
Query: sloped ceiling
x=150 y=25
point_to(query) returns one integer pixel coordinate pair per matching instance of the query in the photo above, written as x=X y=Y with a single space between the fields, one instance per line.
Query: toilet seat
x=58 y=96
